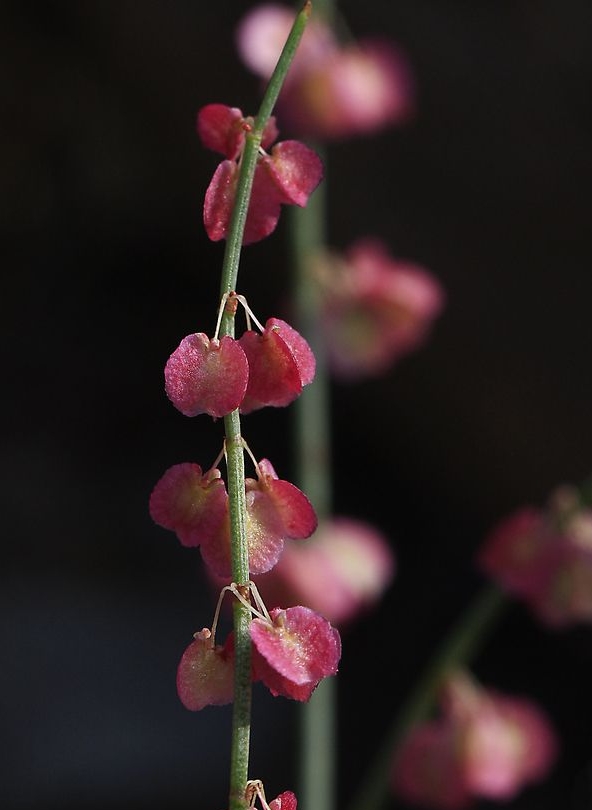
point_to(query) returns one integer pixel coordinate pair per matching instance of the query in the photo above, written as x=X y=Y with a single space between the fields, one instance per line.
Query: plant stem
x=312 y=442
x=241 y=718
x=458 y=649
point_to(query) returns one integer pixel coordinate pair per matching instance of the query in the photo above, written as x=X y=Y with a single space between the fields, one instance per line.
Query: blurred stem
x=312 y=443
x=458 y=650
x=318 y=744
x=241 y=717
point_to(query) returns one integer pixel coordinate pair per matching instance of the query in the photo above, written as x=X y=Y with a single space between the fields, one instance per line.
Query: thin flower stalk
x=241 y=720
x=312 y=446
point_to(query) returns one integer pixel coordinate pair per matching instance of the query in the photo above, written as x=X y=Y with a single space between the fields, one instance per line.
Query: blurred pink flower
x=332 y=90
x=340 y=572
x=375 y=309
x=483 y=744
x=545 y=558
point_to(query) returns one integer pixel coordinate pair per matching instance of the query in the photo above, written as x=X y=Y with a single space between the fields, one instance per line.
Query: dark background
x=106 y=266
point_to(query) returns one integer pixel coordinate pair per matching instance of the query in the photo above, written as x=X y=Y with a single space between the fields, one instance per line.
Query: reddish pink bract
x=203 y=376
x=205 y=675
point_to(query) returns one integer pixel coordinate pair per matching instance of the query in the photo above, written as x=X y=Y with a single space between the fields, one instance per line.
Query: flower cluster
x=195 y=506
x=217 y=376
x=375 y=309
x=544 y=557
x=483 y=744
x=333 y=90
x=286 y=176
x=293 y=650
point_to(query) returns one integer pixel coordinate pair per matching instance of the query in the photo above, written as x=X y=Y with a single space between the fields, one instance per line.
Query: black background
x=106 y=266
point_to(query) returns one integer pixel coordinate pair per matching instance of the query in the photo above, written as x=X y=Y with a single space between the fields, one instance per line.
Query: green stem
x=312 y=441
x=241 y=717
x=458 y=650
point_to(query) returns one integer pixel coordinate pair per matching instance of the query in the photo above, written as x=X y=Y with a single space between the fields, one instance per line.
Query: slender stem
x=251 y=153
x=241 y=718
x=312 y=442
x=458 y=649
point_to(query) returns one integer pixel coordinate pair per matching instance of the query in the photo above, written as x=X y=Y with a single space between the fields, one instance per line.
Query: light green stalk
x=241 y=718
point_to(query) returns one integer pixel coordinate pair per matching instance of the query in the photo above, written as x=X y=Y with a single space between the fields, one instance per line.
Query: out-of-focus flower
x=341 y=571
x=483 y=744
x=332 y=90
x=544 y=556
x=286 y=176
x=375 y=309
x=294 y=651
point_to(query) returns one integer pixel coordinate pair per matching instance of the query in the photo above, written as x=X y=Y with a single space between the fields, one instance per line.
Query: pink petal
x=298 y=517
x=295 y=169
x=285 y=801
x=203 y=376
x=265 y=531
x=219 y=200
x=265 y=536
x=215 y=549
x=280 y=363
x=264 y=207
x=189 y=503
x=274 y=377
x=221 y=129
x=305 y=359
x=300 y=645
x=426 y=771
x=205 y=675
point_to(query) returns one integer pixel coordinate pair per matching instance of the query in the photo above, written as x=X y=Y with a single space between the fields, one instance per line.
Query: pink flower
x=331 y=91
x=280 y=363
x=276 y=511
x=340 y=572
x=294 y=651
x=206 y=376
x=205 y=676
x=286 y=176
x=375 y=309
x=195 y=507
x=192 y=504
x=483 y=744
x=285 y=801
x=545 y=558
